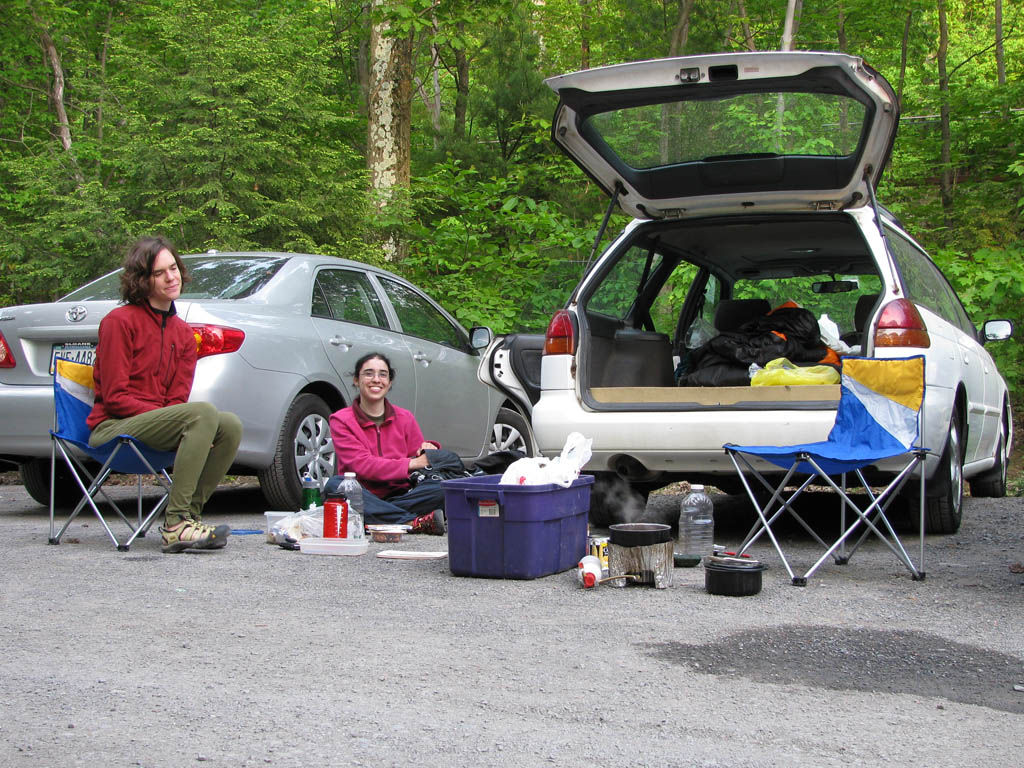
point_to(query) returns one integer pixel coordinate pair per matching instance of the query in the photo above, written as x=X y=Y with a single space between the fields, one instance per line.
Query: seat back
x=880 y=405
x=73 y=395
x=730 y=314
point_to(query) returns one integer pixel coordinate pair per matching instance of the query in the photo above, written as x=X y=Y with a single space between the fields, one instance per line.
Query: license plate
x=78 y=351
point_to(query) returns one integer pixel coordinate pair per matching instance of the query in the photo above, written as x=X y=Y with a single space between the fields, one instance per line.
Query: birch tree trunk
x=389 y=120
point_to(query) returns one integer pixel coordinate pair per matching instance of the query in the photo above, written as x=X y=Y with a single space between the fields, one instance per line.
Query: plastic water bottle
x=696 y=528
x=354 y=493
x=310 y=492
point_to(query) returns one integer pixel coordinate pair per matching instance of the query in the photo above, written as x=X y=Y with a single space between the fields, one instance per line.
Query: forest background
x=259 y=124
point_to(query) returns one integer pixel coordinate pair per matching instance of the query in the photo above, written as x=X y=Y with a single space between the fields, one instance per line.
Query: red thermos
x=336 y=516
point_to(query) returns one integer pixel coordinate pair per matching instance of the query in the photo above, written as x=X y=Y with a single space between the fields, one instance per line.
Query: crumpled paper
x=561 y=470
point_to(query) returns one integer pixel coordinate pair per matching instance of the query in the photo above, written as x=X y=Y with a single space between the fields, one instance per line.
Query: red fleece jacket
x=378 y=455
x=144 y=361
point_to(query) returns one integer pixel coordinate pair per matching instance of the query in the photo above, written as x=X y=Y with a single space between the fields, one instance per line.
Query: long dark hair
x=374 y=356
x=138 y=266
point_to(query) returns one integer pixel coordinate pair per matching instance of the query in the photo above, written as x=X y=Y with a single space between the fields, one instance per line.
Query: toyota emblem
x=76 y=314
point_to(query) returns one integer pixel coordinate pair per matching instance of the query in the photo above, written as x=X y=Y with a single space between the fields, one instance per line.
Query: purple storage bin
x=515 y=531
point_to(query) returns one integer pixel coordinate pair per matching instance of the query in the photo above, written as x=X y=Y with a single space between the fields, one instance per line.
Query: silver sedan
x=278 y=336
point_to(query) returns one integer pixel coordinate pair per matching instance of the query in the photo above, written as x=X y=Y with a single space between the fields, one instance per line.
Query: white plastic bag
x=297 y=526
x=561 y=470
x=830 y=335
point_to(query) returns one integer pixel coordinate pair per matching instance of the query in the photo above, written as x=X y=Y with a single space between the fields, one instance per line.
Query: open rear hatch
x=729 y=133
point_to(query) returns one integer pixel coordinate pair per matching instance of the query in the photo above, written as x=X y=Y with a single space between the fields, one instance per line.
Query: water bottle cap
x=350 y=474
x=696 y=488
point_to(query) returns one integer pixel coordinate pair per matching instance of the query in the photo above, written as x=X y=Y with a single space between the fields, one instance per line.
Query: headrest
x=730 y=314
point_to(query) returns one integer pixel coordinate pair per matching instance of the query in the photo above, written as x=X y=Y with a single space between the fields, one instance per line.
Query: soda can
x=598 y=547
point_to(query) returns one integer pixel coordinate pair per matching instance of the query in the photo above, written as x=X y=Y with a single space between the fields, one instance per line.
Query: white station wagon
x=751 y=178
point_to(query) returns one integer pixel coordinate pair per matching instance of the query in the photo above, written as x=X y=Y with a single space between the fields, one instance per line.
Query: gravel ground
x=255 y=655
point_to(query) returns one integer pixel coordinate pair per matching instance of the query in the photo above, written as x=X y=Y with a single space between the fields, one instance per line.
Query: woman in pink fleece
x=382 y=444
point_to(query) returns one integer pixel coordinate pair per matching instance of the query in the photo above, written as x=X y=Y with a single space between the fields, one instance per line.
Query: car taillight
x=216 y=339
x=6 y=356
x=561 y=337
x=900 y=325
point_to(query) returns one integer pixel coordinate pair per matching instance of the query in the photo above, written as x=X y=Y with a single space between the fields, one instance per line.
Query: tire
x=944 y=500
x=614 y=500
x=35 y=476
x=304 y=445
x=991 y=484
x=510 y=432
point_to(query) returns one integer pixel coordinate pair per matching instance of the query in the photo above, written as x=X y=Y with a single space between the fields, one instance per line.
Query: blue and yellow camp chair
x=73 y=399
x=881 y=410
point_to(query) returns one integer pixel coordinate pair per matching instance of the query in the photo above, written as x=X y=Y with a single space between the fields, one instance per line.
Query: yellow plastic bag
x=782 y=372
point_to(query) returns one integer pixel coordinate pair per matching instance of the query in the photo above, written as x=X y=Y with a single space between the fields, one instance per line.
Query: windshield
x=741 y=126
x=212 y=278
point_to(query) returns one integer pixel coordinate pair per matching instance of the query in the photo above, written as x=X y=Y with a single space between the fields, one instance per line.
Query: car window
x=421 y=318
x=926 y=285
x=744 y=124
x=212 y=278
x=617 y=293
x=840 y=307
x=343 y=294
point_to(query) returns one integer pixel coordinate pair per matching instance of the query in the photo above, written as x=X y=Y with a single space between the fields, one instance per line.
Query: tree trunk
x=676 y=46
x=432 y=99
x=681 y=31
x=945 y=159
x=461 y=86
x=748 y=36
x=904 y=47
x=789 y=30
x=584 y=34
x=389 y=119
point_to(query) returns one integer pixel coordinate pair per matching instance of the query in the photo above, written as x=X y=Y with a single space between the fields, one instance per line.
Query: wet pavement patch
x=906 y=662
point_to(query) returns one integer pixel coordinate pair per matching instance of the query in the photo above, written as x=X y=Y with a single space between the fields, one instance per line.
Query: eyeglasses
x=370 y=375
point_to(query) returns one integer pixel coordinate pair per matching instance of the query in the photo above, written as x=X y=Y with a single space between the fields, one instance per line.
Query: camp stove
x=640 y=553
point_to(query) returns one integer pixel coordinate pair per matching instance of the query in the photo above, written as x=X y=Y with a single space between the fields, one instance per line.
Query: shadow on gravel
x=914 y=663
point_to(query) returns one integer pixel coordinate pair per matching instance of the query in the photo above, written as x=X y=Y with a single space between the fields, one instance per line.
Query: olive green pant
x=205 y=439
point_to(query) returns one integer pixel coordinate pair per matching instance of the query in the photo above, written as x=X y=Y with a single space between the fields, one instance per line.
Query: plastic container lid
x=313 y=546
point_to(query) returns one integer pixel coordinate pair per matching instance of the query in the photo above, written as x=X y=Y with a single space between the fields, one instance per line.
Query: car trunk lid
x=729 y=133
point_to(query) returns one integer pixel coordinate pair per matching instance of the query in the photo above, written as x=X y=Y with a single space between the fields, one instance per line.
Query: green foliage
x=988 y=282
x=491 y=254
x=239 y=124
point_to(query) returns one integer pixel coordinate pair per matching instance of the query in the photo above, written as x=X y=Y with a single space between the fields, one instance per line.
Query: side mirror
x=996 y=330
x=480 y=337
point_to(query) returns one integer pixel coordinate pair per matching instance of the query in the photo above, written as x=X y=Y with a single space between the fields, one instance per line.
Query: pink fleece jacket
x=378 y=455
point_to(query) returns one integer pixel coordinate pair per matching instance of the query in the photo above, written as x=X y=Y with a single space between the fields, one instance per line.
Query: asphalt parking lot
x=255 y=655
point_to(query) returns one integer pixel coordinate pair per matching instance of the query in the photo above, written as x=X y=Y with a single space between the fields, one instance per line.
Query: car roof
x=729 y=133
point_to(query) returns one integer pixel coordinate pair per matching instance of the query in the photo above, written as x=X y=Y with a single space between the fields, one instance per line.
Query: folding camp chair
x=881 y=410
x=73 y=400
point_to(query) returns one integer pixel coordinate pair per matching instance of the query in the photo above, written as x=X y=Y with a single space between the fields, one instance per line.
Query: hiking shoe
x=219 y=537
x=188 y=534
x=432 y=523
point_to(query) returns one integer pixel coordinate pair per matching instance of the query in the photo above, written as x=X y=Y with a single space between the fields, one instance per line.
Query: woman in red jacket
x=382 y=444
x=145 y=361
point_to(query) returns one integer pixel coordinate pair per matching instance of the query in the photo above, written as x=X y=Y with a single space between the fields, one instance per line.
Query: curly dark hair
x=374 y=356
x=138 y=266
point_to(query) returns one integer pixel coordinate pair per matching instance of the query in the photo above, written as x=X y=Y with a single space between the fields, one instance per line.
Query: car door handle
x=420 y=357
x=337 y=341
